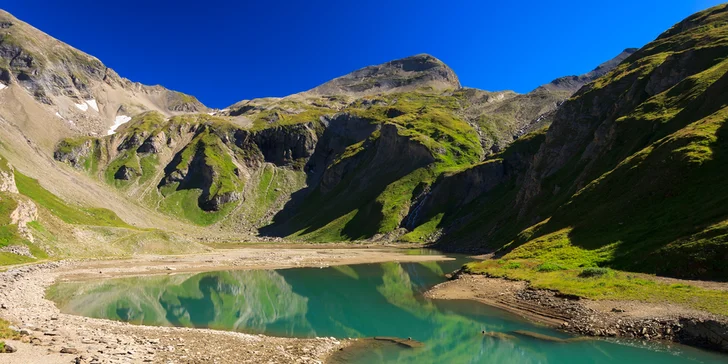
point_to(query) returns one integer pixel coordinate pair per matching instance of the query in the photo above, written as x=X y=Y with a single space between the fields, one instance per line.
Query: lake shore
x=49 y=336
x=632 y=320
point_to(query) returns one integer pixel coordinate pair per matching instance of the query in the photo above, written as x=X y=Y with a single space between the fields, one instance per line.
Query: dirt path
x=630 y=319
x=48 y=333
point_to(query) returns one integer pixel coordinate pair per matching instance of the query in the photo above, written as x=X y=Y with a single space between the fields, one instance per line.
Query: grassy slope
x=68 y=213
x=612 y=285
x=656 y=202
x=380 y=204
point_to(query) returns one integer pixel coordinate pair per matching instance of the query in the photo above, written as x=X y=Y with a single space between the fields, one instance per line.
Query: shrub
x=549 y=267
x=593 y=272
x=512 y=265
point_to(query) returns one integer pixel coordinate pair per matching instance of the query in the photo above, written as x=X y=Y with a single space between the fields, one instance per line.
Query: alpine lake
x=356 y=301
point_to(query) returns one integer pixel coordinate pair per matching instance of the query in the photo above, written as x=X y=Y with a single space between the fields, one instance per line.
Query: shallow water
x=350 y=301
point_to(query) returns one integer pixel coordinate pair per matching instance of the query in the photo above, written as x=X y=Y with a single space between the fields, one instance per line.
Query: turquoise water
x=355 y=301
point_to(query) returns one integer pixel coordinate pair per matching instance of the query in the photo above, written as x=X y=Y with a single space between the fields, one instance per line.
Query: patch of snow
x=121 y=119
x=2 y=86
x=82 y=107
x=59 y=115
x=93 y=104
x=71 y=122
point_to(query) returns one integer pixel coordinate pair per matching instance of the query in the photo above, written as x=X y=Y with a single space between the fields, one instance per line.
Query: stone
x=9 y=348
x=69 y=351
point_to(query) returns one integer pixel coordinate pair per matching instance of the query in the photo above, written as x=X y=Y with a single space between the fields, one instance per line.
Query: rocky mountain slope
x=628 y=175
x=399 y=151
x=81 y=92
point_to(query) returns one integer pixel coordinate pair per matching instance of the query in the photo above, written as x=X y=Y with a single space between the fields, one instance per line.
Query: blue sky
x=226 y=51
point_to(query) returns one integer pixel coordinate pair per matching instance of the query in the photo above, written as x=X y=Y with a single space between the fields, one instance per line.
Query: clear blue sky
x=226 y=51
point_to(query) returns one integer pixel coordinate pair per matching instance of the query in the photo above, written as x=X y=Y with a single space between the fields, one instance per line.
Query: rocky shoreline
x=49 y=336
x=616 y=319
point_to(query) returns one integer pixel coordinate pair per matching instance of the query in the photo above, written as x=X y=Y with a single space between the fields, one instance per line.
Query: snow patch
x=82 y=106
x=2 y=86
x=93 y=104
x=59 y=115
x=121 y=119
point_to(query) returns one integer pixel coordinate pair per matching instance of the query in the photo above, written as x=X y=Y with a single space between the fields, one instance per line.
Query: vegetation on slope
x=629 y=175
x=603 y=284
x=68 y=213
x=370 y=186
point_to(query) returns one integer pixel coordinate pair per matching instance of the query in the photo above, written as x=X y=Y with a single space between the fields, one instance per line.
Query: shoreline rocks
x=611 y=319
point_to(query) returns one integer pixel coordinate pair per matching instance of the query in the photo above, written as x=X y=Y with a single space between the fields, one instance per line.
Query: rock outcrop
x=25 y=210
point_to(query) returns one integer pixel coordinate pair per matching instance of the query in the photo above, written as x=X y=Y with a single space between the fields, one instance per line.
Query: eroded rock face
x=153 y=144
x=285 y=145
x=386 y=158
x=126 y=173
x=75 y=155
x=342 y=130
x=25 y=211
x=459 y=189
x=7 y=178
x=710 y=334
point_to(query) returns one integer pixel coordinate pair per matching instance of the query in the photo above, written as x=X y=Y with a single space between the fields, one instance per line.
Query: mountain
x=83 y=94
x=422 y=71
x=574 y=83
x=393 y=152
x=628 y=175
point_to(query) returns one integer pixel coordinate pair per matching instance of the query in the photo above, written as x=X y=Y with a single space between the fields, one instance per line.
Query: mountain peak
x=572 y=84
x=409 y=73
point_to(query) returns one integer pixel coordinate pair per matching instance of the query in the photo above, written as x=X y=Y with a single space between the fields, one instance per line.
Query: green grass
x=9 y=234
x=612 y=285
x=126 y=158
x=424 y=231
x=592 y=272
x=276 y=117
x=148 y=164
x=549 y=267
x=6 y=332
x=68 y=213
x=183 y=204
